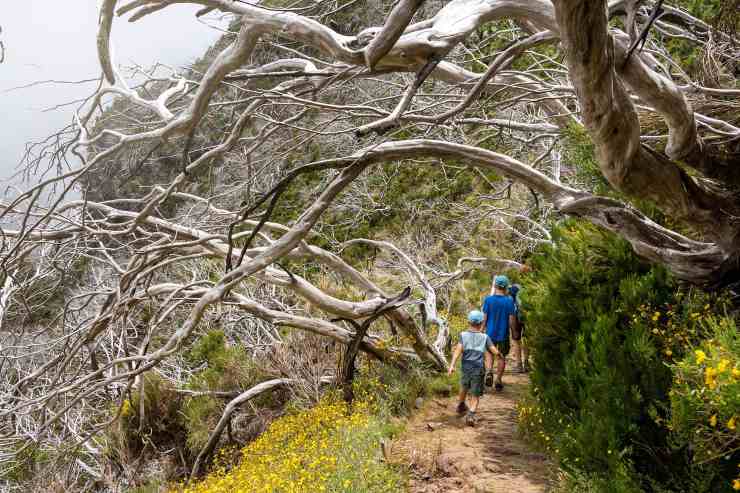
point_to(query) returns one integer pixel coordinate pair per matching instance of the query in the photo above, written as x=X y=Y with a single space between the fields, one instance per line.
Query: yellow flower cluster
x=531 y=424
x=673 y=330
x=324 y=449
x=705 y=398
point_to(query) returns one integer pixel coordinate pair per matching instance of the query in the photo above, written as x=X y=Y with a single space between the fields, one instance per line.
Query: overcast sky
x=55 y=39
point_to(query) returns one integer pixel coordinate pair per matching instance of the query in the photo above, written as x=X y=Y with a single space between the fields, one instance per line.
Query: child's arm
x=455 y=357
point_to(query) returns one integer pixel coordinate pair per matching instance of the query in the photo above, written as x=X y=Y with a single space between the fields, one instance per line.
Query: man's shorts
x=472 y=381
x=503 y=346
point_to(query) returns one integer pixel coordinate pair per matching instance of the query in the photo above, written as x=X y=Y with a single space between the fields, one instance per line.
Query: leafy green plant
x=158 y=424
x=224 y=368
x=604 y=329
x=705 y=404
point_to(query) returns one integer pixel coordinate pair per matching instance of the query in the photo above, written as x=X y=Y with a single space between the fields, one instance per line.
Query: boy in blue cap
x=477 y=352
x=500 y=314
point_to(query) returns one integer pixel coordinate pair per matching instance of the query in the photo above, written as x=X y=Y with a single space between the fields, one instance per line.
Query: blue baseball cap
x=501 y=281
x=475 y=317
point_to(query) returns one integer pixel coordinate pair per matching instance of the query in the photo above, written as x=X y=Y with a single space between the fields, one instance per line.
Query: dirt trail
x=447 y=456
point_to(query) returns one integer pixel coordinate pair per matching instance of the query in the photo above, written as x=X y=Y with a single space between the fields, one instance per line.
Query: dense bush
x=705 y=403
x=222 y=368
x=183 y=420
x=605 y=329
x=151 y=423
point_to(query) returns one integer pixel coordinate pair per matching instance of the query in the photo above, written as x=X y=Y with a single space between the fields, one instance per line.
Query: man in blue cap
x=477 y=353
x=499 y=313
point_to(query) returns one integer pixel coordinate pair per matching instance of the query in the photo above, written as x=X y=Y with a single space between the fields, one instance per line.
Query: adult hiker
x=499 y=312
x=520 y=350
x=477 y=353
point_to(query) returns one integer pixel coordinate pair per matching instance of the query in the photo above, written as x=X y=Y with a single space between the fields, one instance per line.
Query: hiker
x=521 y=352
x=498 y=309
x=477 y=353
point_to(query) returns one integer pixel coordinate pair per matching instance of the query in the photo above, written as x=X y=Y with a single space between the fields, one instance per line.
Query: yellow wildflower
x=656 y=316
x=736 y=484
x=700 y=356
x=668 y=352
x=709 y=375
x=731 y=423
x=722 y=366
x=713 y=420
x=735 y=373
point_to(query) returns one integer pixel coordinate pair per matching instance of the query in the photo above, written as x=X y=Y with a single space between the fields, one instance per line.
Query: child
x=477 y=352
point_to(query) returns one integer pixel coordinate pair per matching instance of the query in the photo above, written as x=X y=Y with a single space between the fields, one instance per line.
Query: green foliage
x=443 y=385
x=687 y=53
x=604 y=327
x=153 y=486
x=705 y=403
x=580 y=153
x=26 y=462
x=159 y=423
x=174 y=419
x=227 y=368
x=394 y=390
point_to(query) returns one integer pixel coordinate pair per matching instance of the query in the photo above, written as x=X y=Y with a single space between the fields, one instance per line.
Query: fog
x=55 y=40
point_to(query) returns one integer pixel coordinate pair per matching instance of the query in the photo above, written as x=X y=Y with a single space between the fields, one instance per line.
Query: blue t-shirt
x=497 y=308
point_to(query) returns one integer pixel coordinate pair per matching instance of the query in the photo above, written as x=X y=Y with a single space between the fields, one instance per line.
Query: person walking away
x=477 y=353
x=521 y=352
x=498 y=309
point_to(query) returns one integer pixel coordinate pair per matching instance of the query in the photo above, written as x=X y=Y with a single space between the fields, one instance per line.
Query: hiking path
x=446 y=456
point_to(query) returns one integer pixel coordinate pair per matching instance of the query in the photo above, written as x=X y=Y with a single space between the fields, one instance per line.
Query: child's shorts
x=472 y=381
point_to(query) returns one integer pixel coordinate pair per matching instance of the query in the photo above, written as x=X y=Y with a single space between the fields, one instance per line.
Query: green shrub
x=393 y=389
x=160 y=425
x=27 y=462
x=705 y=405
x=226 y=368
x=443 y=385
x=604 y=328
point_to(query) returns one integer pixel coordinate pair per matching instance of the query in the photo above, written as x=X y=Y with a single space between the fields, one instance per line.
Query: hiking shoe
x=462 y=408
x=499 y=386
x=489 y=379
x=470 y=419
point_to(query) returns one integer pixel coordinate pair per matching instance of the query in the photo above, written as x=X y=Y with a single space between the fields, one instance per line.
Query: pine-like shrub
x=604 y=328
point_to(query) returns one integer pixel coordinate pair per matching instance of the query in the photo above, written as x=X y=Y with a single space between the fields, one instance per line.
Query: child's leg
x=503 y=348
x=462 y=408
x=462 y=395
x=474 y=401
